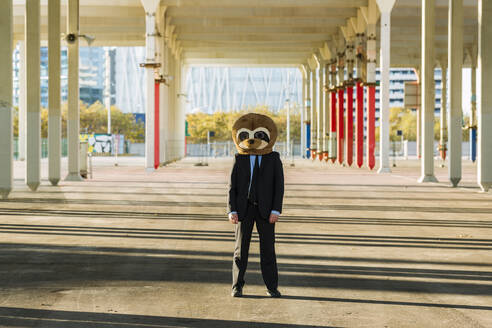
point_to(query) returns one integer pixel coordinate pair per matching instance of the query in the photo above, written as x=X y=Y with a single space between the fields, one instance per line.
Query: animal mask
x=254 y=134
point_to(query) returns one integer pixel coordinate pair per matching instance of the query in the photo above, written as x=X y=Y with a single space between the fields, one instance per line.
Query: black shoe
x=274 y=293
x=237 y=292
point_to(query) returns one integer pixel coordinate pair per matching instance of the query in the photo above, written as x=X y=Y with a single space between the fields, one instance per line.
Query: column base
x=427 y=178
x=54 y=181
x=485 y=186
x=33 y=185
x=74 y=177
x=455 y=181
x=149 y=169
x=4 y=193
x=384 y=170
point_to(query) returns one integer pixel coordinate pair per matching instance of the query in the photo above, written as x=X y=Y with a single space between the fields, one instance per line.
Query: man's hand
x=233 y=218
x=273 y=218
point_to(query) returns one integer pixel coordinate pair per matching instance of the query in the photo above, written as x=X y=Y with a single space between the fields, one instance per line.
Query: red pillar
x=341 y=99
x=156 y=126
x=333 y=122
x=360 y=124
x=371 y=126
x=350 y=124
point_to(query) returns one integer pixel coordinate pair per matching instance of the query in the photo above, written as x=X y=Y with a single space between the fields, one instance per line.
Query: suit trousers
x=268 y=259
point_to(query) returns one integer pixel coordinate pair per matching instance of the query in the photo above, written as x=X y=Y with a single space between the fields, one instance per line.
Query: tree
x=221 y=123
x=94 y=119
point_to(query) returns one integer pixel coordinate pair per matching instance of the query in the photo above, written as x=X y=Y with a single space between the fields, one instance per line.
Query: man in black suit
x=256 y=192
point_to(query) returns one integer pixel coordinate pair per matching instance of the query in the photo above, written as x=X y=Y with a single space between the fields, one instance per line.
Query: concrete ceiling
x=255 y=32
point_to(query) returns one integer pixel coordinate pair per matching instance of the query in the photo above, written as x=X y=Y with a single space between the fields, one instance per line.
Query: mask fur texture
x=254 y=134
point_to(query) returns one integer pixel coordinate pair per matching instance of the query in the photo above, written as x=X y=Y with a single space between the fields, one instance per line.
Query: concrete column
x=371 y=91
x=54 y=114
x=307 y=117
x=473 y=102
x=149 y=82
x=22 y=100
x=6 y=108
x=33 y=94
x=73 y=117
x=340 y=110
x=183 y=70
x=418 y=110
x=443 y=114
x=384 y=130
x=320 y=113
x=484 y=95
x=314 y=115
x=428 y=96
x=303 y=111
x=455 y=60
x=333 y=110
x=349 y=85
x=163 y=117
x=326 y=112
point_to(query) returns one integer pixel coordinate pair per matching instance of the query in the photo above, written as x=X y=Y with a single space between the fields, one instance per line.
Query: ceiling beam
x=300 y=12
x=258 y=21
x=254 y=29
x=266 y=3
x=254 y=37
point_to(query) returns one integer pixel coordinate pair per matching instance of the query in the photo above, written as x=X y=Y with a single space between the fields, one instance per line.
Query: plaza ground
x=355 y=249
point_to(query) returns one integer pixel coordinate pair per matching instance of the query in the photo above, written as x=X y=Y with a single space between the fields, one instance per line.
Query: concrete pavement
x=137 y=249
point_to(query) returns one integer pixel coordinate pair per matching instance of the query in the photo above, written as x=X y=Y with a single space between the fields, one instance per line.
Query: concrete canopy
x=261 y=32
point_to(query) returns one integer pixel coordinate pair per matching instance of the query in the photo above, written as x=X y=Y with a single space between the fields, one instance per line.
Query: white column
x=149 y=83
x=314 y=114
x=33 y=91
x=428 y=100
x=484 y=95
x=164 y=97
x=182 y=70
x=73 y=117
x=326 y=111
x=6 y=108
x=320 y=143
x=443 y=113
x=455 y=60
x=54 y=114
x=163 y=122
x=107 y=85
x=172 y=110
x=22 y=100
x=385 y=6
x=303 y=113
x=333 y=86
x=308 y=116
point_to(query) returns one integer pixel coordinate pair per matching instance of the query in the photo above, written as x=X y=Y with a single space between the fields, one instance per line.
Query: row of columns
x=170 y=125
x=30 y=94
x=332 y=138
x=165 y=119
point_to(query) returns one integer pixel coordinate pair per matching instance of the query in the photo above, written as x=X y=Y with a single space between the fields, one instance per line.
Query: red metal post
x=333 y=123
x=156 y=125
x=341 y=122
x=360 y=124
x=350 y=124
x=371 y=127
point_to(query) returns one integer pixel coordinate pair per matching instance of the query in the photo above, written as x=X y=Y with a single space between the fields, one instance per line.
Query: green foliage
x=94 y=119
x=221 y=123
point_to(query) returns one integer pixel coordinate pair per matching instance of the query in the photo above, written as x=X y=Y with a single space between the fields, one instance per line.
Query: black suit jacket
x=270 y=185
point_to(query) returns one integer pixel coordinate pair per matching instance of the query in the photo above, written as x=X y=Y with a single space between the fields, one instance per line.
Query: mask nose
x=251 y=141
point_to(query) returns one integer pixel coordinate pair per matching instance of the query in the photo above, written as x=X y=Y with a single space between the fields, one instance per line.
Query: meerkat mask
x=254 y=134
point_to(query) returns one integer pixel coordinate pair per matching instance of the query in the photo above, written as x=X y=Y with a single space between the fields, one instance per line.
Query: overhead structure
x=346 y=40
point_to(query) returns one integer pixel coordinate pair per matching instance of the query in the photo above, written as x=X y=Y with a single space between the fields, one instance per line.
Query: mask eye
x=262 y=135
x=243 y=136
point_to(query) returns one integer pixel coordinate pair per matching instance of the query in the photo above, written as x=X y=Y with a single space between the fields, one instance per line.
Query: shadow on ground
x=19 y=317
